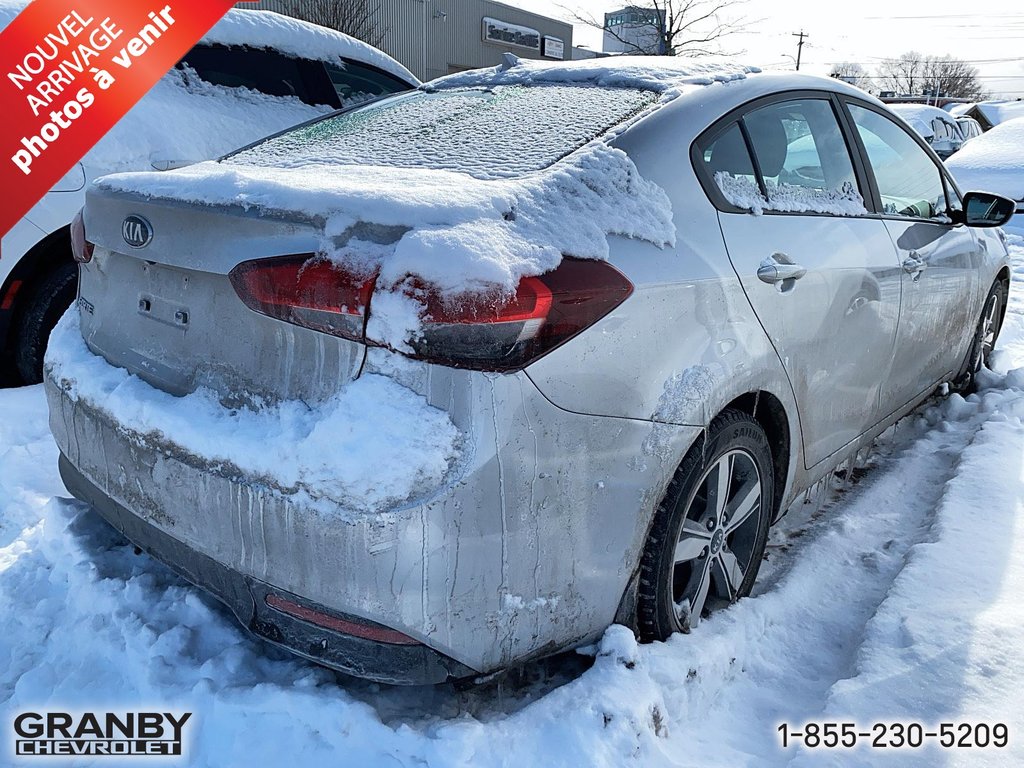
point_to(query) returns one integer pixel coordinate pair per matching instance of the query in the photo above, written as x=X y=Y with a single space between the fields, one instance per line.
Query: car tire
x=986 y=334
x=38 y=316
x=705 y=548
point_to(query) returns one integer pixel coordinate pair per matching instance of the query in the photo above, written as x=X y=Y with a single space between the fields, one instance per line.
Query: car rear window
x=500 y=132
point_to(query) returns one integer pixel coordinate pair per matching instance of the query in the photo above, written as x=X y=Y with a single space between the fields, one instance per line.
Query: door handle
x=778 y=268
x=914 y=265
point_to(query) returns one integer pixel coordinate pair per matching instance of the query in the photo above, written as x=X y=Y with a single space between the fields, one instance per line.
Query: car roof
x=713 y=85
x=266 y=29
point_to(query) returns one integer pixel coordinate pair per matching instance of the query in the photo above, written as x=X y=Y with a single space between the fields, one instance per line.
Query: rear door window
x=800 y=161
x=262 y=70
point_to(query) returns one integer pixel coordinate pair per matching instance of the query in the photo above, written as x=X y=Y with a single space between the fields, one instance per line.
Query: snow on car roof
x=266 y=29
x=997 y=112
x=924 y=112
x=920 y=117
x=9 y=9
x=299 y=38
x=993 y=162
x=653 y=73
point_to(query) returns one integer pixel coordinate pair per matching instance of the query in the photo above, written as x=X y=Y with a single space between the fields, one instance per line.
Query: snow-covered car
x=254 y=74
x=460 y=378
x=936 y=125
x=969 y=128
x=994 y=162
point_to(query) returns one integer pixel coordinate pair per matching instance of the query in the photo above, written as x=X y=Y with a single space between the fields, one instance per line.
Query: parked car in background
x=994 y=162
x=989 y=114
x=969 y=128
x=255 y=73
x=561 y=366
x=936 y=125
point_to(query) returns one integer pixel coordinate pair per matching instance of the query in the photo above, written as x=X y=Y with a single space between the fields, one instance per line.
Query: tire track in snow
x=774 y=658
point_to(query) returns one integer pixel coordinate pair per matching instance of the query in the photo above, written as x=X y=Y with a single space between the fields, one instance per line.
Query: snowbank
x=993 y=162
x=372 y=445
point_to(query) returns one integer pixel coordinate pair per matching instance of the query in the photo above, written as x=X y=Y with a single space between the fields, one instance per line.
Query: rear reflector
x=81 y=249
x=12 y=292
x=306 y=290
x=373 y=632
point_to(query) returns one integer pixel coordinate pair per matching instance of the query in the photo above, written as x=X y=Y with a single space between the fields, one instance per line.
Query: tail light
x=81 y=249
x=488 y=333
x=545 y=312
x=306 y=290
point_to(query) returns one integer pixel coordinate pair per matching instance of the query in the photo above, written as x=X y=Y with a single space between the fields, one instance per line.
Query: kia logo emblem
x=136 y=231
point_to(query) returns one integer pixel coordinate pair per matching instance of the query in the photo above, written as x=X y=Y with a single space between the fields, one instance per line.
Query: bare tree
x=852 y=73
x=915 y=75
x=954 y=77
x=360 y=19
x=669 y=27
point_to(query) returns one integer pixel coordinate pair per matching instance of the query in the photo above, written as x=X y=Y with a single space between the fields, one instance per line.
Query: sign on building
x=505 y=33
x=553 y=48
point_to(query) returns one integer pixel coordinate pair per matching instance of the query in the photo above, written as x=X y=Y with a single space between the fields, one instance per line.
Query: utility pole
x=799 y=47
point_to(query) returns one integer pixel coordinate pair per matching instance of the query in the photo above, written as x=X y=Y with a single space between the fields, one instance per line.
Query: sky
x=864 y=32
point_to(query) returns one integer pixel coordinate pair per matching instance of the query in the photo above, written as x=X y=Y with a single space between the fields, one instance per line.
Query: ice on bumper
x=371 y=446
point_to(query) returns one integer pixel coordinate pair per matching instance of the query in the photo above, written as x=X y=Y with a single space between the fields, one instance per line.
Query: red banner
x=70 y=70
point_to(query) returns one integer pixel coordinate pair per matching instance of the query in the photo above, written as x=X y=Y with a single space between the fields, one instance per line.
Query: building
x=634 y=30
x=439 y=37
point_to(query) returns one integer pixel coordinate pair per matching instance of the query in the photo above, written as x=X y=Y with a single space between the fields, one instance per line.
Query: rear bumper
x=403 y=664
x=527 y=550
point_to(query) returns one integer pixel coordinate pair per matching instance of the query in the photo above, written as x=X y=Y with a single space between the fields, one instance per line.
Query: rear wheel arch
x=37 y=262
x=771 y=415
x=33 y=270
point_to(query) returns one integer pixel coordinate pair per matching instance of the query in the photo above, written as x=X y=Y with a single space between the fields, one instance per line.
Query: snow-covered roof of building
x=653 y=73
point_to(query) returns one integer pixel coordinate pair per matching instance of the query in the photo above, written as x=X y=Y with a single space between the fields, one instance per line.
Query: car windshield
x=499 y=132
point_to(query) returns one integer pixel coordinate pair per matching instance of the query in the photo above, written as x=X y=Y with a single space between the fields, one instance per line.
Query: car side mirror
x=983 y=209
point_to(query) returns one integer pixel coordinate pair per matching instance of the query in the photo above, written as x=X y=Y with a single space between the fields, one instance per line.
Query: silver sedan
x=630 y=426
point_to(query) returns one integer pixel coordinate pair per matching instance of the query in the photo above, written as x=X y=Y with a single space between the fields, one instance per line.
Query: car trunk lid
x=156 y=300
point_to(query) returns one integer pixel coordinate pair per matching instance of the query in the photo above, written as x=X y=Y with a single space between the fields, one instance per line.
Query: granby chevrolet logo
x=125 y=734
x=136 y=231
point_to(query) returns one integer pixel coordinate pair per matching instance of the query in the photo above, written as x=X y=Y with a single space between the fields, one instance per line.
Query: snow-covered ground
x=895 y=596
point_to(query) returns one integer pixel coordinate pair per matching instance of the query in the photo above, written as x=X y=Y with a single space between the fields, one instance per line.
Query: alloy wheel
x=718 y=537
